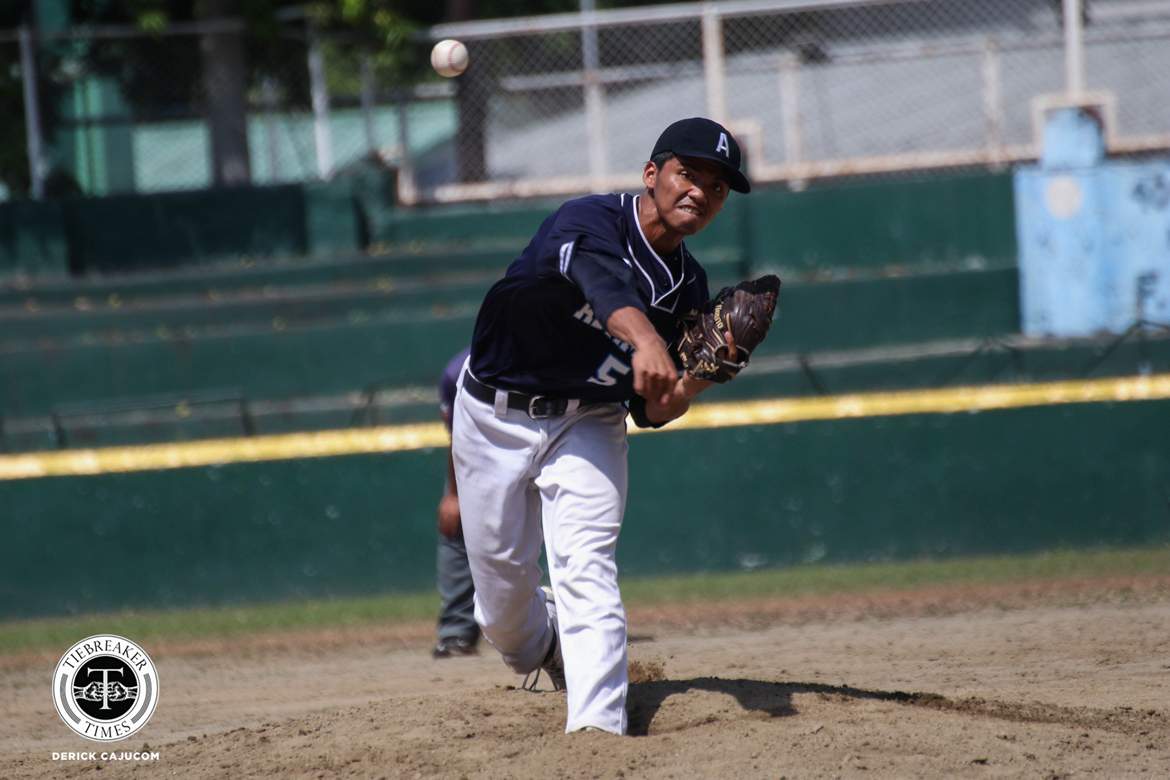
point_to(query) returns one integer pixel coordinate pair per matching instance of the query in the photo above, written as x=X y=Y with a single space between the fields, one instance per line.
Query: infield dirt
x=1054 y=679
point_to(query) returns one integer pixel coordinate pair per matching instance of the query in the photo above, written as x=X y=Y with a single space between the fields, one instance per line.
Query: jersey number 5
x=608 y=372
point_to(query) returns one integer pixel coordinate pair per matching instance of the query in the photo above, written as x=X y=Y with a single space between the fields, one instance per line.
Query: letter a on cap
x=722 y=145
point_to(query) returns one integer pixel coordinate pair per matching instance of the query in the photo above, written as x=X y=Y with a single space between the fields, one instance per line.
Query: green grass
x=56 y=634
x=851 y=578
x=218 y=622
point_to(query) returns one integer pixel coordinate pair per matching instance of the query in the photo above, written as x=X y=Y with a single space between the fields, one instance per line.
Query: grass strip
x=218 y=622
x=146 y=626
x=822 y=579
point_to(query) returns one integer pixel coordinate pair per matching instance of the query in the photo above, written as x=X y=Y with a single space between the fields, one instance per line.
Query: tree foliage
x=160 y=75
x=14 y=171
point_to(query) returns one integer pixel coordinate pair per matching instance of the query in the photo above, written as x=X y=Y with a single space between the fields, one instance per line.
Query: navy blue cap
x=707 y=140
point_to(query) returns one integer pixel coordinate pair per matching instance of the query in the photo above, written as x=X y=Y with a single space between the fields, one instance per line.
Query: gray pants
x=456 y=591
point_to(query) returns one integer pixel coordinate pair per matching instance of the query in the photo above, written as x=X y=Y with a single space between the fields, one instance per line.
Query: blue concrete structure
x=1094 y=234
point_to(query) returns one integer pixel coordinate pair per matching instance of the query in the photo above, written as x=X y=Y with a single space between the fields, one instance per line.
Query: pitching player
x=574 y=334
x=458 y=633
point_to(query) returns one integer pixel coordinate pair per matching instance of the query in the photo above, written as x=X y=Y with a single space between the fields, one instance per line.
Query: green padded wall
x=864 y=489
x=288 y=276
x=132 y=232
x=124 y=233
x=496 y=223
x=901 y=487
x=380 y=340
x=296 y=292
x=247 y=532
x=895 y=310
x=959 y=219
x=265 y=363
x=221 y=414
x=32 y=240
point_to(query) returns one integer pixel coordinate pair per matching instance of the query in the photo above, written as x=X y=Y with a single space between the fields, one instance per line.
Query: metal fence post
x=407 y=188
x=1074 y=49
x=993 y=98
x=594 y=99
x=714 y=76
x=790 y=108
x=269 y=102
x=368 y=107
x=32 y=113
x=319 y=90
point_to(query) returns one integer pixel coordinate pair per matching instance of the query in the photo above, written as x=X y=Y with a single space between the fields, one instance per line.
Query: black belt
x=537 y=406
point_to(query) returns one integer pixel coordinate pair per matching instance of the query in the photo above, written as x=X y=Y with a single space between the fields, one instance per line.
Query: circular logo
x=105 y=687
x=1064 y=196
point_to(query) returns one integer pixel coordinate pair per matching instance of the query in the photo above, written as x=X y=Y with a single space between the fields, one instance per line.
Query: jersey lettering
x=722 y=146
x=608 y=372
x=585 y=314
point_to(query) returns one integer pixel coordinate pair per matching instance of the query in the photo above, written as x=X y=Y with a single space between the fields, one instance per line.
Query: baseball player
x=458 y=633
x=573 y=337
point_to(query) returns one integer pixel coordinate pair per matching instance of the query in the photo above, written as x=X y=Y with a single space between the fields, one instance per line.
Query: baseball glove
x=745 y=310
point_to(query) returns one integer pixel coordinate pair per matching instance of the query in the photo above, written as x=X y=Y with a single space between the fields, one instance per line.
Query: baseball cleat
x=454 y=646
x=553 y=664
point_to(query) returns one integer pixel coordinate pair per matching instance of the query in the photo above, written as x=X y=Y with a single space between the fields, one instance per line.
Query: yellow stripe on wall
x=206 y=452
x=401 y=438
x=934 y=401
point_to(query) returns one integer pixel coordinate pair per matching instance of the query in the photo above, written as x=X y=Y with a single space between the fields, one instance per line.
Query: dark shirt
x=541 y=328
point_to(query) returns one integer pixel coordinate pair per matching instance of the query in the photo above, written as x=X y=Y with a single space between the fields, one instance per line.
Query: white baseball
x=449 y=58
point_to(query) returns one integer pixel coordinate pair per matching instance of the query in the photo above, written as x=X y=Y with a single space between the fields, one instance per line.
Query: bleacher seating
x=354 y=338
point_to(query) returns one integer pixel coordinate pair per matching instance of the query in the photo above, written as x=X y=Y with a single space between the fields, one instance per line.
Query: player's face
x=688 y=192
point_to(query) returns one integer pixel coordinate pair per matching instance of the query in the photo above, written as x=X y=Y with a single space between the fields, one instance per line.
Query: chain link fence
x=813 y=88
x=573 y=102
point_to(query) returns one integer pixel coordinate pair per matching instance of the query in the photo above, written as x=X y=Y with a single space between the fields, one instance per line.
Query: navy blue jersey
x=541 y=328
x=449 y=383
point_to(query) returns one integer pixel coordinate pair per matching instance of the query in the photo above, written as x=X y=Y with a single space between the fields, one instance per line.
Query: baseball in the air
x=449 y=58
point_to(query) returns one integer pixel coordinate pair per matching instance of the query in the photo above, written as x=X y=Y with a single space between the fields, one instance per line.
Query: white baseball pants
x=561 y=480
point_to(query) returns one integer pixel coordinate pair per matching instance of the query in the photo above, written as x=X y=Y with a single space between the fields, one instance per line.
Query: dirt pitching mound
x=1028 y=681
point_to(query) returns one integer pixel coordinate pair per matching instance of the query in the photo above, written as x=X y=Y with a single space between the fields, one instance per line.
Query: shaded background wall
x=316 y=301
x=893 y=284
x=850 y=490
x=921 y=260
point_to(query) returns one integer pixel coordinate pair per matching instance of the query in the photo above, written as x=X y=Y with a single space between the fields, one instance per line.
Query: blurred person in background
x=458 y=633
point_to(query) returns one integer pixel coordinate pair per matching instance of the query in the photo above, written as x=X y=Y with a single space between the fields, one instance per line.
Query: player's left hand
x=732 y=350
x=676 y=405
x=449 y=518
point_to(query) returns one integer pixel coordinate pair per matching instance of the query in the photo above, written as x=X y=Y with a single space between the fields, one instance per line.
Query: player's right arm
x=589 y=253
x=655 y=375
x=607 y=283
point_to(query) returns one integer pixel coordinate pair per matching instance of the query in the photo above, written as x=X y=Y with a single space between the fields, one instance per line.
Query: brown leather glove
x=746 y=310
